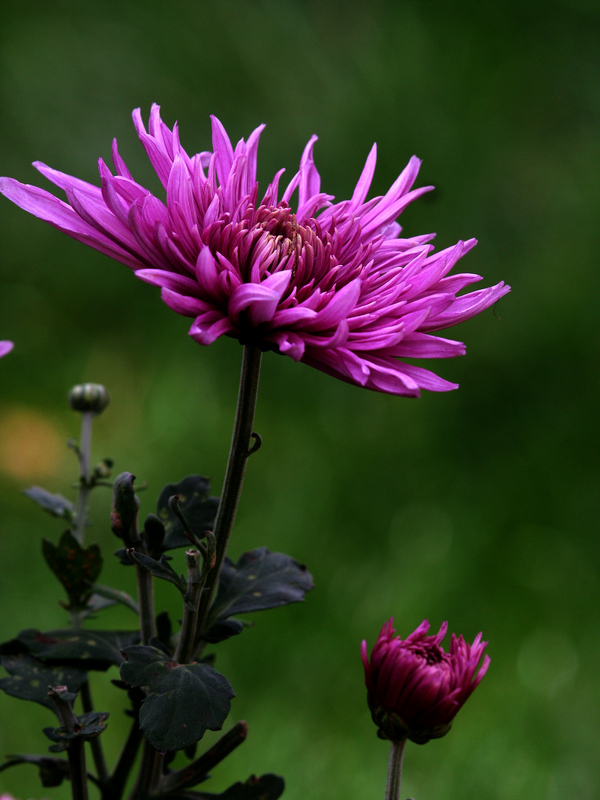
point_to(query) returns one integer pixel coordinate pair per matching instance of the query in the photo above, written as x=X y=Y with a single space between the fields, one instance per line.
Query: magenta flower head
x=414 y=688
x=333 y=285
x=5 y=347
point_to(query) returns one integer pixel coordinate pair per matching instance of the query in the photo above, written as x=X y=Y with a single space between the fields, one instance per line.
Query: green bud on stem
x=89 y=397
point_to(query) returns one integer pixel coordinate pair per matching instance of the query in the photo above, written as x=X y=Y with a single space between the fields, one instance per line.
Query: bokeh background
x=479 y=506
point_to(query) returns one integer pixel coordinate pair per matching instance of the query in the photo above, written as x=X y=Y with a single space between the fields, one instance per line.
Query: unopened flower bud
x=125 y=509
x=414 y=688
x=89 y=397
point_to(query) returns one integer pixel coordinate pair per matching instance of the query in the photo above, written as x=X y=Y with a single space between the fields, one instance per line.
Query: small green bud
x=102 y=470
x=89 y=397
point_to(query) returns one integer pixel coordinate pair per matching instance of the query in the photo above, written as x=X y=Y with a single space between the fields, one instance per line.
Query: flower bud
x=89 y=397
x=414 y=688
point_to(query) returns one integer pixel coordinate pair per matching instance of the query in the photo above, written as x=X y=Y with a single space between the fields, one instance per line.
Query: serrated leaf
x=88 y=650
x=75 y=567
x=159 y=569
x=29 y=678
x=52 y=771
x=54 y=504
x=184 y=700
x=196 y=505
x=260 y=580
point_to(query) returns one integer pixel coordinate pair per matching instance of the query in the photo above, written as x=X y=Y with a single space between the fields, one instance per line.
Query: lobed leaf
x=184 y=700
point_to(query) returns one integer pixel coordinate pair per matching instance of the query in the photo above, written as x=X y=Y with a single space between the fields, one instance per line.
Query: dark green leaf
x=89 y=650
x=223 y=629
x=52 y=771
x=267 y=787
x=159 y=569
x=260 y=580
x=197 y=507
x=29 y=678
x=185 y=700
x=154 y=534
x=121 y=554
x=110 y=597
x=54 y=504
x=89 y=726
x=75 y=567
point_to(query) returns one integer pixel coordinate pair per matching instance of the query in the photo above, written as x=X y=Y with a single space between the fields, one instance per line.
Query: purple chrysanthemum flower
x=414 y=688
x=5 y=347
x=330 y=284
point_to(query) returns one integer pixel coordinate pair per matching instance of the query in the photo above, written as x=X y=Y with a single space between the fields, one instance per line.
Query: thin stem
x=77 y=770
x=185 y=646
x=115 y=786
x=95 y=743
x=394 y=776
x=84 y=453
x=84 y=484
x=198 y=770
x=75 y=748
x=146 y=604
x=149 y=773
x=241 y=448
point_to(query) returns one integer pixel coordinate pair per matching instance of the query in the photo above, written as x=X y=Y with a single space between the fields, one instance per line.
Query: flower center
x=432 y=654
x=285 y=235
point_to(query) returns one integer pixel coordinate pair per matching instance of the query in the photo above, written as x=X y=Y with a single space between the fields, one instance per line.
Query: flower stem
x=234 y=475
x=394 y=776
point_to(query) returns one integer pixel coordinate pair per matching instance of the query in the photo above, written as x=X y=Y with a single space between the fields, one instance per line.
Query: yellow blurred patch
x=31 y=446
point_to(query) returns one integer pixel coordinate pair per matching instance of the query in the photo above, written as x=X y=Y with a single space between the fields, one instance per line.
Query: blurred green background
x=479 y=506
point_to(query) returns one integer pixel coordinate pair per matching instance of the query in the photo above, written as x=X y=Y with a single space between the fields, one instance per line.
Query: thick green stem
x=234 y=475
x=394 y=776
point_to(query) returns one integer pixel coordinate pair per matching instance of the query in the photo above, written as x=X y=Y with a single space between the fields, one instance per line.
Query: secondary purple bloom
x=414 y=688
x=330 y=284
x=5 y=347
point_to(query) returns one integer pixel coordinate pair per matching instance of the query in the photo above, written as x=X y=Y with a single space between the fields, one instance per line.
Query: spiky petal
x=333 y=285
